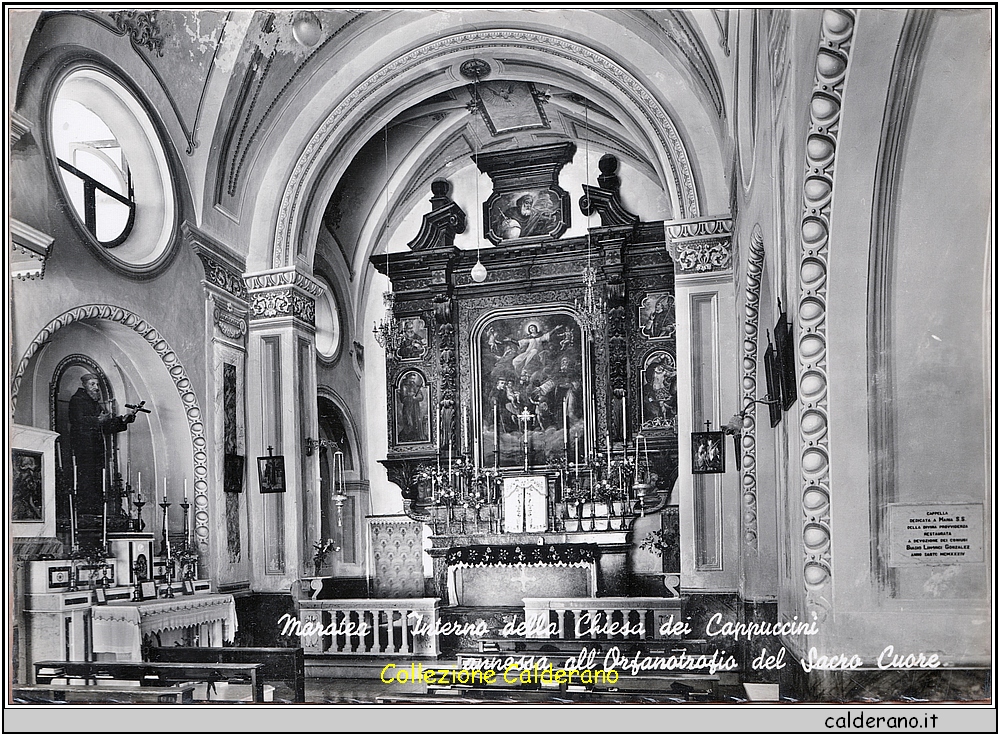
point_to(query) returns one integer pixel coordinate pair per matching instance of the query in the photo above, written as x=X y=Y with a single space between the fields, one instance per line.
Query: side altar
x=531 y=384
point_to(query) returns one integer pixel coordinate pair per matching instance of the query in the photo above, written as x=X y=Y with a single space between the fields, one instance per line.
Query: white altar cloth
x=118 y=628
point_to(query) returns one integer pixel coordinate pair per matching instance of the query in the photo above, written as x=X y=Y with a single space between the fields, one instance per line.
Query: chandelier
x=388 y=333
x=592 y=314
x=593 y=317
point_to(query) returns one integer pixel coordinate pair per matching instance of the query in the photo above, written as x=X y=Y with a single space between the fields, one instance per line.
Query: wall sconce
x=312 y=445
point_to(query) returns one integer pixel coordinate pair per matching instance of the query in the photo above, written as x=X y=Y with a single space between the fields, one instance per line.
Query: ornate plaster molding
x=223 y=268
x=820 y=154
x=29 y=250
x=312 y=158
x=748 y=438
x=20 y=126
x=703 y=245
x=178 y=375
x=142 y=29
x=282 y=292
x=231 y=323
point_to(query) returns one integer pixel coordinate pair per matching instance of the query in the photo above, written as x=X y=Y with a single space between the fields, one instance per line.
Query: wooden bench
x=153 y=673
x=284 y=664
x=102 y=693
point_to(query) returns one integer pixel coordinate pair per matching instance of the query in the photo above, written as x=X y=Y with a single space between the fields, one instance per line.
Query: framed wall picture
x=233 y=478
x=271 y=473
x=147 y=590
x=708 y=452
x=656 y=316
x=26 y=486
x=412 y=409
x=785 y=349
x=414 y=343
x=773 y=377
x=188 y=587
x=100 y=596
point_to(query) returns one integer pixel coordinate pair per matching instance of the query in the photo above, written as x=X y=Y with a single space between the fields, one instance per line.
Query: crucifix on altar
x=525 y=418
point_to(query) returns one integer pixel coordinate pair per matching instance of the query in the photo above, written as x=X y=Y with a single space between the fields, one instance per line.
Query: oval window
x=112 y=168
x=327 y=322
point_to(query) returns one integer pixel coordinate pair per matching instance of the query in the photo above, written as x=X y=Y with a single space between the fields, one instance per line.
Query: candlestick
x=566 y=424
x=496 y=437
x=104 y=493
x=465 y=427
x=59 y=455
x=185 y=490
x=138 y=495
x=74 y=474
x=607 y=440
x=164 y=489
x=624 y=421
x=439 y=437
x=72 y=523
x=576 y=469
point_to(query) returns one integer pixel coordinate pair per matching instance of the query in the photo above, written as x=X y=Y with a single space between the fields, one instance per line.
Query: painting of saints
x=532 y=380
x=656 y=316
x=412 y=410
x=659 y=391
x=526 y=215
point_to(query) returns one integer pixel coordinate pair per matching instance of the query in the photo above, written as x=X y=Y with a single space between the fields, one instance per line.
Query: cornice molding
x=20 y=126
x=29 y=251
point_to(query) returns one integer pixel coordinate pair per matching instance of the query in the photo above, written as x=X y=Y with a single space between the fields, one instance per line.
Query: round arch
x=175 y=370
x=280 y=237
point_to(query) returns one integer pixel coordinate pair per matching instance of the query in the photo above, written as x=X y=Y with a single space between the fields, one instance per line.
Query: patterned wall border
x=174 y=368
x=311 y=160
x=748 y=440
x=821 y=149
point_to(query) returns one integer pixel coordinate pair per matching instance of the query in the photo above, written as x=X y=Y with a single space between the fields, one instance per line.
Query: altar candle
x=59 y=455
x=565 y=423
x=138 y=495
x=72 y=523
x=74 y=474
x=164 y=492
x=104 y=493
x=496 y=437
x=576 y=446
x=607 y=440
x=624 y=420
x=465 y=427
x=185 y=490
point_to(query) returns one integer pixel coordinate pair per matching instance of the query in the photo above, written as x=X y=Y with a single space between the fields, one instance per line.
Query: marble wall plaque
x=935 y=534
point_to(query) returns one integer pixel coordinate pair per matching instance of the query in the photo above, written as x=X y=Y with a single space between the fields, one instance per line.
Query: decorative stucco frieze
x=282 y=293
x=813 y=382
x=704 y=245
x=748 y=436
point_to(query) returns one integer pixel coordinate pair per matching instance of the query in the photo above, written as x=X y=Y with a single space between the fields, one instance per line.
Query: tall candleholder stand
x=138 y=526
x=165 y=547
x=185 y=505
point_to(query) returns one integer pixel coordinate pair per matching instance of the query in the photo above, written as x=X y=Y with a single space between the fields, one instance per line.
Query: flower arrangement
x=659 y=541
x=321 y=550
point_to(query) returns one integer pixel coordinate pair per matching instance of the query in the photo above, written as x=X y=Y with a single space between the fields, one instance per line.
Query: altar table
x=119 y=628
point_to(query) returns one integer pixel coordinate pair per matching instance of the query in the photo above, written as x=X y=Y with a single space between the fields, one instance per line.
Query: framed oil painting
x=271 y=473
x=708 y=453
x=411 y=407
x=656 y=316
x=26 y=486
x=414 y=343
x=659 y=391
x=533 y=383
x=528 y=213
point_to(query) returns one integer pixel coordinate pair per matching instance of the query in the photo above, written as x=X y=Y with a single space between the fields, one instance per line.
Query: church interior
x=653 y=345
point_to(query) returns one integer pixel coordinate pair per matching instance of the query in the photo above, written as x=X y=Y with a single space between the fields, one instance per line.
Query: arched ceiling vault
x=655 y=119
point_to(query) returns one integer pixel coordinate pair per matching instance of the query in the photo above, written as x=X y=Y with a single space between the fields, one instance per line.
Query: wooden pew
x=285 y=664
x=152 y=673
x=103 y=693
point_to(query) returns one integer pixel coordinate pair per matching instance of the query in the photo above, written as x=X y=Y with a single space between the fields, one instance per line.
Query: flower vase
x=572 y=524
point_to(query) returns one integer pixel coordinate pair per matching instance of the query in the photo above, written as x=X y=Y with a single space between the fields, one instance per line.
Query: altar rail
x=601 y=619
x=369 y=626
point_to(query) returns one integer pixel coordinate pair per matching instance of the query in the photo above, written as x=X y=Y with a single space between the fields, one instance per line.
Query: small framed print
x=271 y=473
x=100 y=596
x=707 y=452
x=188 y=587
x=147 y=590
